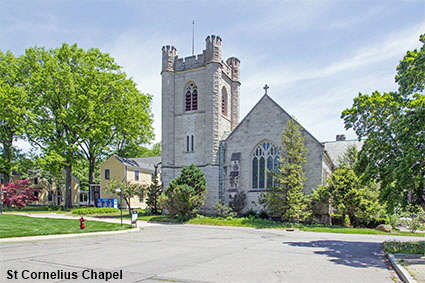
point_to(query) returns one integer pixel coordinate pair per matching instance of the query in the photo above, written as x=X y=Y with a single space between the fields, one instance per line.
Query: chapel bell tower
x=200 y=105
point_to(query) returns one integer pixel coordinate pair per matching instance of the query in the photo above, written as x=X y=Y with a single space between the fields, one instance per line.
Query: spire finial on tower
x=266 y=87
x=193 y=37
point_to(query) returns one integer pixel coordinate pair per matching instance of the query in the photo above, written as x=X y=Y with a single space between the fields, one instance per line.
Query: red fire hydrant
x=82 y=225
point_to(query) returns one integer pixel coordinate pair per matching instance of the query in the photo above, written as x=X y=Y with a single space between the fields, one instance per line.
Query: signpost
x=119 y=191
x=134 y=217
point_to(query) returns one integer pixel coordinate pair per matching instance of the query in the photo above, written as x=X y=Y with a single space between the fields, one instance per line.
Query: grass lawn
x=21 y=226
x=265 y=223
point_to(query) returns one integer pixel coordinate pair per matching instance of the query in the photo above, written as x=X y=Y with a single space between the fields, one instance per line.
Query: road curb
x=65 y=236
x=401 y=271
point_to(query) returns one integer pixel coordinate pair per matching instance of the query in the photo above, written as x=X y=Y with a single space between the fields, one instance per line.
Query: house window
x=265 y=161
x=224 y=99
x=136 y=175
x=50 y=196
x=190 y=143
x=107 y=174
x=191 y=98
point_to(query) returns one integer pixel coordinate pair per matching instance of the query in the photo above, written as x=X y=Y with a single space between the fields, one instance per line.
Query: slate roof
x=146 y=163
x=337 y=148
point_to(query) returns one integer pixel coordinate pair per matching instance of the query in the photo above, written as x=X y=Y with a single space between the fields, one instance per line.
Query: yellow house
x=54 y=194
x=137 y=170
x=51 y=193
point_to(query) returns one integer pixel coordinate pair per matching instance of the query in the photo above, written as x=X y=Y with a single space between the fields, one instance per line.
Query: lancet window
x=191 y=97
x=265 y=160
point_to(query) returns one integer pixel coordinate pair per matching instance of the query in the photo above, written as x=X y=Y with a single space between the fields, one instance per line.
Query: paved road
x=190 y=253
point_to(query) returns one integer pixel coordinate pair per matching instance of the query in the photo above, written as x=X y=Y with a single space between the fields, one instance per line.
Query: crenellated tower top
x=213 y=49
x=169 y=56
x=234 y=64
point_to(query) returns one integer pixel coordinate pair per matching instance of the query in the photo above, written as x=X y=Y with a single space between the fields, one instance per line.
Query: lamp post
x=119 y=191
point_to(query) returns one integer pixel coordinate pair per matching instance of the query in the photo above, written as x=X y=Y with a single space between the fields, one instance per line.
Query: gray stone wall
x=265 y=122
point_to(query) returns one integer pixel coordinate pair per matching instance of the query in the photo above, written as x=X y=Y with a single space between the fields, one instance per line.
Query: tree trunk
x=92 y=165
x=68 y=186
x=7 y=153
x=127 y=200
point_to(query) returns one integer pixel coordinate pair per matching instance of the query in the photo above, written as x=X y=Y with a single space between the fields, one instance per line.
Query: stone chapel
x=200 y=125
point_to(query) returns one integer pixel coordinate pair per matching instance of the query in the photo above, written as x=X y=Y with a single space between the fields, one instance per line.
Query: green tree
x=128 y=190
x=13 y=108
x=346 y=194
x=134 y=149
x=81 y=102
x=153 y=191
x=394 y=127
x=286 y=199
x=186 y=193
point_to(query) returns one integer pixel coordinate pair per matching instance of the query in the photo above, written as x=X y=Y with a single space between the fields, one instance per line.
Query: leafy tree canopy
x=13 y=108
x=394 y=127
x=81 y=103
x=127 y=189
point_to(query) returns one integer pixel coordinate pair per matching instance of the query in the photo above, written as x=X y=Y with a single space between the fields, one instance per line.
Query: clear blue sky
x=316 y=56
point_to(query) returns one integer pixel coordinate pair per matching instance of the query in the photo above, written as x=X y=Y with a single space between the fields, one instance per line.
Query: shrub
x=250 y=213
x=238 y=202
x=186 y=194
x=413 y=219
x=95 y=210
x=263 y=214
x=336 y=219
x=404 y=247
x=19 y=193
x=224 y=210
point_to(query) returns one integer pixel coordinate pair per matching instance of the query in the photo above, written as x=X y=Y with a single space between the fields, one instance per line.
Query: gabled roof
x=336 y=149
x=264 y=99
x=146 y=163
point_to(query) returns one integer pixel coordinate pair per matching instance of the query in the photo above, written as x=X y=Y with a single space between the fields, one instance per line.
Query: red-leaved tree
x=19 y=193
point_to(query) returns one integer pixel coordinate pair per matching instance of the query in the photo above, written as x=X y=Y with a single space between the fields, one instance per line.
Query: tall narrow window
x=255 y=172
x=49 y=196
x=191 y=98
x=191 y=144
x=224 y=100
x=107 y=174
x=264 y=162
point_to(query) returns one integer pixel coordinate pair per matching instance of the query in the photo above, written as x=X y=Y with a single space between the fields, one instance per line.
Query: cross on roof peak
x=266 y=87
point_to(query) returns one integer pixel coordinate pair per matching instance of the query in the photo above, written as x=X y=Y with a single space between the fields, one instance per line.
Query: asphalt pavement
x=195 y=253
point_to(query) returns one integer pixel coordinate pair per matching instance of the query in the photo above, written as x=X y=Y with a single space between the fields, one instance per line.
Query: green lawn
x=265 y=223
x=21 y=226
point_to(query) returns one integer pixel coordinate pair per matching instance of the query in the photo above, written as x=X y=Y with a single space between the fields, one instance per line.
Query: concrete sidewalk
x=414 y=265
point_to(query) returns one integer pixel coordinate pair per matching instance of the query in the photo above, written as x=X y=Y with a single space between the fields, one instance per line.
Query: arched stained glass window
x=191 y=97
x=264 y=161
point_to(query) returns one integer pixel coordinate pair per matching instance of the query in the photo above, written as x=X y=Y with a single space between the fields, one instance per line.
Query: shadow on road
x=355 y=254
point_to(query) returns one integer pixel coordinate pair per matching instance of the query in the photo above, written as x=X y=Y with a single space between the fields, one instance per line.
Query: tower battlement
x=190 y=62
x=169 y=56
x=213 y=49
x=234 y=64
